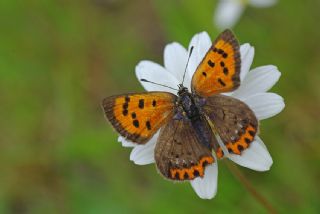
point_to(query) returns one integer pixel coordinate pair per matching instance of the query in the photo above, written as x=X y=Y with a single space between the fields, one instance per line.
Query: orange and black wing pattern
x=137 y=117
x=233 y=121
x=219 y=70
x=179 y=154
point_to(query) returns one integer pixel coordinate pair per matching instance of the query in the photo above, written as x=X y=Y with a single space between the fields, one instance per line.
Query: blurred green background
x=59 y=59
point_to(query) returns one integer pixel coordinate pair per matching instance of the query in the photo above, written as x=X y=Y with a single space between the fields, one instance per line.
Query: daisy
x=253 y=91
x=228 y=12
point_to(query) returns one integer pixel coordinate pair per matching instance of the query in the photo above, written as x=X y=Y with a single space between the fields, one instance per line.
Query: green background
x=59 y=59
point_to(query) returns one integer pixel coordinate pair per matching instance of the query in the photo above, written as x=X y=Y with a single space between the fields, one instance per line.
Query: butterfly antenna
x=144 y=80
x=185 y=70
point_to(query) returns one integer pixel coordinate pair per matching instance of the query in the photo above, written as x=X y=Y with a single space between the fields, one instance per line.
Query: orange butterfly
x=190 y=121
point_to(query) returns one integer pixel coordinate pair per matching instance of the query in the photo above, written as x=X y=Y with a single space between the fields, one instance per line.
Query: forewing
x=137 y=117
x=179 y=155
x=220 y=68
x=233 y=121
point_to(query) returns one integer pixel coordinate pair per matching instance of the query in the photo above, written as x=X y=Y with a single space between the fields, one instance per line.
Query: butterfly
x=190 y=121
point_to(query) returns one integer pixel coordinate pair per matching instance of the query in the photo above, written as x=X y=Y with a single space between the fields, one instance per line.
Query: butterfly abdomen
x=192 y=112
x=203 y=132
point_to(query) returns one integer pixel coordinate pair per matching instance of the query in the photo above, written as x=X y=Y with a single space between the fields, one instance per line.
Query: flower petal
x=256 y=157
x=262 y=3
x=265 y=105
x=153 y=72
x=258 y=80
x=206 y=187
x=175 y=59
x=247 y=54
x=144 y=154
x=126 y=143
x=201 y=43
x=221 y=144
x=227 y=13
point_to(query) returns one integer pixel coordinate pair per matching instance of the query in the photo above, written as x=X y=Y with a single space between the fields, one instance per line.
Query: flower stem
x=260 y=198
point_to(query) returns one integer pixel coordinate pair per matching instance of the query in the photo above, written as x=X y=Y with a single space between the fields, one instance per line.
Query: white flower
x=253 y=91
x=228 y=12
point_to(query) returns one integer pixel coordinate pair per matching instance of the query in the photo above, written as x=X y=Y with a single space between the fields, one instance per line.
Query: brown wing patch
x=179 y=154
x=220 y=69
x=234 y=122
x=138 y=116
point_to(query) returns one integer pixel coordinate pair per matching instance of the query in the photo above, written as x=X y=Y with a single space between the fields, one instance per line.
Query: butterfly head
x=182 y=90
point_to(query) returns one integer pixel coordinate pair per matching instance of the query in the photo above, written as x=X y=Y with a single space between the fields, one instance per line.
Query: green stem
x=261 y=199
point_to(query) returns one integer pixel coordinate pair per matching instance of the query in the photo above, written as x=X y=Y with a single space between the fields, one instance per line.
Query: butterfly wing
x=179 y=155
x=220 y=68
x=137 y=117
x=233 y=121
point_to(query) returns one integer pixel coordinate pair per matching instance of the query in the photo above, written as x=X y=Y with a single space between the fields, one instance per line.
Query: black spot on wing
x=221 y=82
x=177 y=176
x=205 y=163
x=136 y=123
x=154 y=103
x=225 y=71
x=148 y=125
x=240 y=148
x=210 y=63
x=186 y=175
x=247 y=140
x=125 y=112
x=141 y=103
x=252 y=133
x=125 y=105
x=127 y=99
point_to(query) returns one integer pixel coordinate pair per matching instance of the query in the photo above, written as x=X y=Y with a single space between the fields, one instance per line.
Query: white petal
x=262 y=3
x=247 y=54
x=153 y=72
x=144 y=154
x=265 y=105
x=206 y=187
x=258 y=80
x=175 y=59
x=255 y=157
x=228 y=13
x=201 y=43
x=222 y=145
x=126 y=143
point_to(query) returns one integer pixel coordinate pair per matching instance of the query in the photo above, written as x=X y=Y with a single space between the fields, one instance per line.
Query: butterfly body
x=188 y=107
x=188 y=103
x=188 y=122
